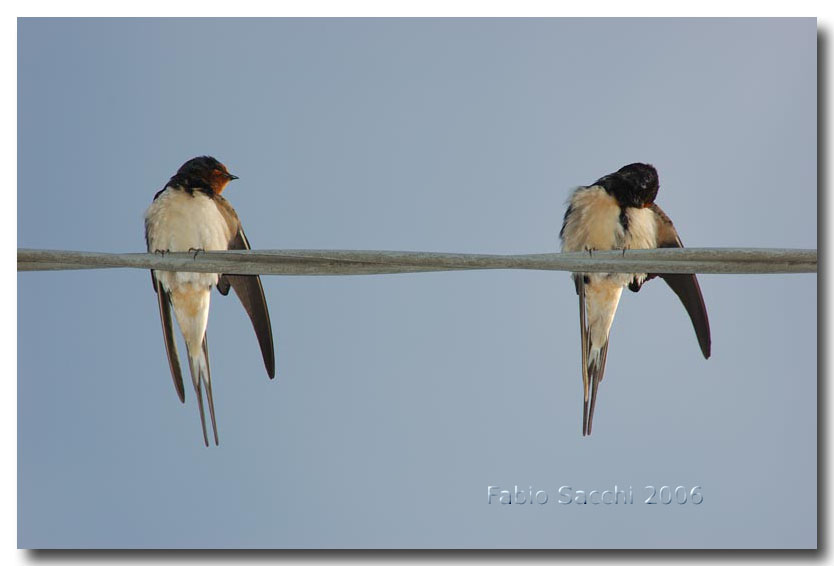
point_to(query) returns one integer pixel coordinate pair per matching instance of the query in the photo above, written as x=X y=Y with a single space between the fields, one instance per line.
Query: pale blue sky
x=400 y=398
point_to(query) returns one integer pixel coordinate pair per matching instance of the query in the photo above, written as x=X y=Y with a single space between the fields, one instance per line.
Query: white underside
x=177 y=221
x=594 y=224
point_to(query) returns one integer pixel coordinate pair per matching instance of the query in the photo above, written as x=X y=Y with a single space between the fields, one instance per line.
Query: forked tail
x=593 y=361
x=201 y=375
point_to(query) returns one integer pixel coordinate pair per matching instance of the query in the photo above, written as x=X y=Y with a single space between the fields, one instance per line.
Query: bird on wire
x=618 y=212
x=190 y=215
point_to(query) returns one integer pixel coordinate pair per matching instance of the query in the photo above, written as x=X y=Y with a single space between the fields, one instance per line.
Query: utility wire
x=353 y=262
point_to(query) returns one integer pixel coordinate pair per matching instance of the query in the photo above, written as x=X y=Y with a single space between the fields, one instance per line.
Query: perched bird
x=618 y=212
x=189 y=214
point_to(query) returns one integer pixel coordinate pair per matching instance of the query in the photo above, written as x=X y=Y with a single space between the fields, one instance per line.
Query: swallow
x=618 y=212
x=190 y=214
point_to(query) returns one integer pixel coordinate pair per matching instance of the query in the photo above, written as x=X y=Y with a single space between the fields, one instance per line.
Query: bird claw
x=196 y=251
x=161 y=252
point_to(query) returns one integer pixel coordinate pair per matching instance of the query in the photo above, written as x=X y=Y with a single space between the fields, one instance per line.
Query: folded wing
x=168 y=335
x=685 y=285
x=248 y=289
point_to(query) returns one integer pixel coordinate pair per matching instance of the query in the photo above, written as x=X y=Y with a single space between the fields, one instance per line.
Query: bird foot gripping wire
x=195 y=251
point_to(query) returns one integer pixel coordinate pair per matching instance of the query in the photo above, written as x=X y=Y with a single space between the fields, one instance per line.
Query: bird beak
x=232 y=177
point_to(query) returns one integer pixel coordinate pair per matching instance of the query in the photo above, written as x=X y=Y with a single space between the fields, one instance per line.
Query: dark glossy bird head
x=643 y=179
x=202 y=173
x=633 y=185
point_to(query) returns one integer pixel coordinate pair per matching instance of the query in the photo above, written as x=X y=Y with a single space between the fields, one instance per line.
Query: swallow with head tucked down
x=618 y=212
x=189 y=214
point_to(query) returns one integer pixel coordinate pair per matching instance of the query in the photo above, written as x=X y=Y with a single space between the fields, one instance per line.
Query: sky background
x=400 y=398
